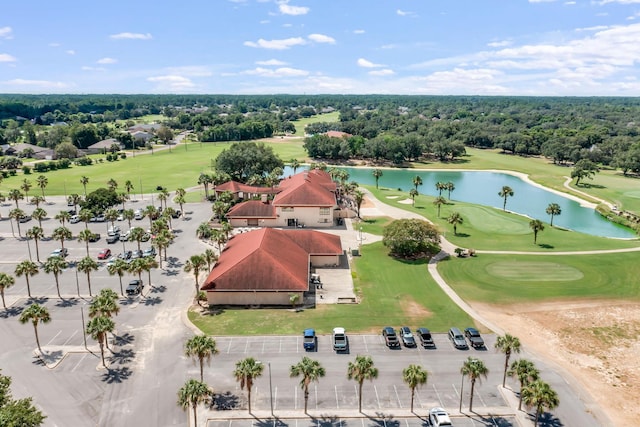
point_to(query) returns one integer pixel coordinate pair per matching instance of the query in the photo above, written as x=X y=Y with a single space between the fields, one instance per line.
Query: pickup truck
x=340 y=342
x=474 y=337
x=425 y=337
x=309 y=342
x=390 y=337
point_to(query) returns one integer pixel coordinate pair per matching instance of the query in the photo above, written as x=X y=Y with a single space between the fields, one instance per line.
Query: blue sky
x=461 y=47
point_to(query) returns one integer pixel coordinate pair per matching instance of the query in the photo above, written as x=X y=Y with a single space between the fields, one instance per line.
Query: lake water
x=482 y=188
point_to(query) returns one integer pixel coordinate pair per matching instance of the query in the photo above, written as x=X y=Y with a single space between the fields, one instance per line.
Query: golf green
x=532 y=271
x=492 y=221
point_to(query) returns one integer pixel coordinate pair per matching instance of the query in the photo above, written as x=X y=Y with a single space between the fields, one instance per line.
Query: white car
x=439 y=417
x=113 y=230
x=74 y=219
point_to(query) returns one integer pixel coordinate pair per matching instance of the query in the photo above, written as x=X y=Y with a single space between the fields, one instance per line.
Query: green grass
x=392 y=293
x=373 y=225
x=179 y=167
x=505 y=279
x=487 y=228
x=328 y=117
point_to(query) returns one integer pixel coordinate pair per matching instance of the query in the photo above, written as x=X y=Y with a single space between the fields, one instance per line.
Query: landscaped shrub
x=41 y=167
x=26 y=170
x=63 y=163
x=123 y=155
x=84 y=161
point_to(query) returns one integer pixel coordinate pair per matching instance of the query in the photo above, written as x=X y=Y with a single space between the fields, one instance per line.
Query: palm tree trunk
x=37 y=251
x=195 y=414
x=413 y=392
x=249 y=398
x=520 y=402
x=35 y=329
x=102 y=354
x=360 y=397
x=473 y=384
x=121 y=288
x=306 y=398
x=28 y=285
x=89 y=284
x=2 y=293
x=58 y=286
x=538 y=412
x=201 y=369
x=506 y=366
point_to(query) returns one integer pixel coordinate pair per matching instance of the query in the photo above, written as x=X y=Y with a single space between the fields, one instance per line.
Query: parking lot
x=329 y=421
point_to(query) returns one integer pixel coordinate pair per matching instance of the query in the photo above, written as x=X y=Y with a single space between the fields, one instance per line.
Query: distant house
x=141 y=136
x=266 y=266
x=104 y=145
x=148 y=127
x=305 y=199
x=40 y=153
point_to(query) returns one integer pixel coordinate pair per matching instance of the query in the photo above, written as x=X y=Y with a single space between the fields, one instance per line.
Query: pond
x=482 y=188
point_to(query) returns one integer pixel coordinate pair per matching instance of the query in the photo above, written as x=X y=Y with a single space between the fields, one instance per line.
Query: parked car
x=113 y=238
x=104 y=254
x=407 y=337
x=74 y=219
x=114 y=230
x=136 y=254
x=439 y=417
x=134 y=287
x=94 y=237
x=145 y=237
x=176 y=213
x=340 y=340
x=457 y=338
x=149 y=252
x=125 y=237
x=60 y=253
x=425 y=337
x=138 y=214
x=474 y=337
x=25 y=218
x=126 y=255
x=309 y=341
x=100 y=218
x=390 y=337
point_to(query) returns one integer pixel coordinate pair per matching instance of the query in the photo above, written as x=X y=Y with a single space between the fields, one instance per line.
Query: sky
x=413 y=47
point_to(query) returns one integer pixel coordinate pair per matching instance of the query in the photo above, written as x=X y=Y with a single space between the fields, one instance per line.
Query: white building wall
x=252 y=298
x=309 y=216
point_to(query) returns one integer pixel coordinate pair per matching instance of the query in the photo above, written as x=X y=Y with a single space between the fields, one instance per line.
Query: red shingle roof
x=312 y=188
x=252 y=209
x=269 y=260
x=235 y=187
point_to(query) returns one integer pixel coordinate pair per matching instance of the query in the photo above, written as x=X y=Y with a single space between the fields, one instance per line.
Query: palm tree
x=16 y=214
x=191 y=394
x=413 y=193
x=75 y=199
x=39 y=214
x=439 y=201
x=416 y=182
x=537 y=226
x=474 y=369
x=180 y=200
x=84 y=181
x=310 y=370
x=87 y=265
x=27 y=268
x=42 y=182
x=128 y=186
x=119 y=267
x=205 y=180
x=62 y=234
x=26 y=186
x=553 y=209
x=525 y=372
x=55 y=265
x=538 y=394
x=85 y=236
x=136 y=233
x=194 y=264
x=294 y=164
x=104 y=304
x=210 y=258
x=440 y=186
x=6 y=281
x=36 y=233
x=98 y=328
x=129 y=215
x=508 y=344
x=247 y=370
x=450 y=186
x=201 y=348
x=455 y=219
x=204 y=231
x=162 y=241
x=358 y=197
x=377 y=173
x=149 y=264
x=35 y=313
x=150 y=212
x=15 y=195
x=112 y=183
x=414 y=376
x=63 y=217
x=359 y=370
x=137 y=266
x=504 y=193
x=85 y=216
x=111 y=215
x=36 y=200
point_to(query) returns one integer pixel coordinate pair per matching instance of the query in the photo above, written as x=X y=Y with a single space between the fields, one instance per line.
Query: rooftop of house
x=309 y=188
x=252 y=209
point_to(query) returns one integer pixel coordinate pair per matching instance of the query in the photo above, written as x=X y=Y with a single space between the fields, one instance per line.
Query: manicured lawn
x=373 y=225
x=179 y=167
x=487 y=228
x=392 y=293
x=328 y=117
x=504 y=279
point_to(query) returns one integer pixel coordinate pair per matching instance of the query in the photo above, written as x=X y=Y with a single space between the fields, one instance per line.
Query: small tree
x=525 y=372
x=414 y=376
x=474 y=369
x=87 y=265
x=98 y=328
x=27 y=268
x=539 y=395
x=293 y=299
x=35 y=314
x=201 y=348
x=413 y=193
x=508 y=344
x=191 y=394
x=377 y=174
x=358 y=198
x=311 y=371
x=455 y=219
x=247 y=370
x=194 y=265
x=359 y=370
x=439 y=201
x=417 y=181
x=6 y=281
x=537 y=226
x=505 y=193
x=410 y=238
x=553 y=210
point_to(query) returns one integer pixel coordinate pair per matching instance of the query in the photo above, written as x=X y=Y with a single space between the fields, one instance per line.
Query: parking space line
x=264 y=342
x=397 y=395
x=295 y=398
x=481 y=400
x=229 y=346
x=364 y=340
x=316 y=390
x=377 y=398
x=297 y=344
x=455 y=389
x=55 y=336
x=79 y=362
x=246 y=345
x=337 y=401
x=72 y=335
x=280 y=348
x=438 y=395
x=417 y=397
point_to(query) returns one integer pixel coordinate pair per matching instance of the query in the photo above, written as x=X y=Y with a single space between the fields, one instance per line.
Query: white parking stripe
x=275 y=398
x=79 y=362
x=337 y=401
x=295 y=398
x=316 y=389
x=229 y=346
x=72 y=335
x=481 y=400
x=397 y=396
x=54 y=337
x=377 y=398
x=364 y=340
x=455 y=389
x=264 y=342
x=438 y=395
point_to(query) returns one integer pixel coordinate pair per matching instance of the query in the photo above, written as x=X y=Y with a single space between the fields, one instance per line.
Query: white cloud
x=5 y=57
x=321 y=38
x=383 y=72
x=42 y=84
x=277 y=73
x=502 y=43
x=358 y=31
x=265 y=21
x=54 y=44
x=594 y=28
x=87 y=68
x=172 y=83
x=287 y=9
x=70 y=52
x=542 y=1
x=134 y=36
x=106 y=61
x=190 y=70
x=401 y=12
x=367 y=64
x=6 y=33
x=281 y=44
x=603 y=2
x=272 y=62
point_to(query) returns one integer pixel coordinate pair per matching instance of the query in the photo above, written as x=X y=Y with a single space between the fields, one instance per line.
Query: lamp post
x=84 y=332
x=270 y=388
x=77 y=281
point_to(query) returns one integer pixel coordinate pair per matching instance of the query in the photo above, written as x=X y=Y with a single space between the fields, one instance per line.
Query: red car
x=104 y=254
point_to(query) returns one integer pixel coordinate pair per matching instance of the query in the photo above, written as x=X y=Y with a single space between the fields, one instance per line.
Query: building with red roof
x=267 y=266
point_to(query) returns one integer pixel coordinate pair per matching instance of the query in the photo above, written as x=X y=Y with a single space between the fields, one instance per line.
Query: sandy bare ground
x=595 y=341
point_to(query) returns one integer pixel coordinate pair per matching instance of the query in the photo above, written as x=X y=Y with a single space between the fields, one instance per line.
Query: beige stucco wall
x=243 y=222
x=251 y=298
x=309 y=216
x=324 y=260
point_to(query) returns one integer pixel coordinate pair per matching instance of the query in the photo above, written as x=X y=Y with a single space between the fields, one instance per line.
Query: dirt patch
x=597 y=342
x=366 y=203
x=414 y=310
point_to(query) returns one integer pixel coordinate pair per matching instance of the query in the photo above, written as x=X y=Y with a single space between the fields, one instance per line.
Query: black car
x=126 y=255
x=425 y=337
x=176 y=213
x=390 y=337
x=474 y=337
x=135 y=287
x=94 y=237
x=113 y=238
